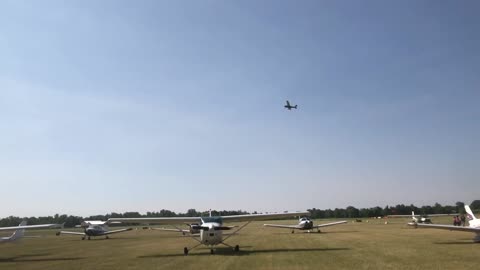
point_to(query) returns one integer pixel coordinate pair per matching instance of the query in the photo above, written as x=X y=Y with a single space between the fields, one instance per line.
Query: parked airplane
x=289 y=107
x=474 y=225
x=20 y=230
x=194 y=228
x=211 y=228
x=422 y=218
x=305 y=224
x=94 y=228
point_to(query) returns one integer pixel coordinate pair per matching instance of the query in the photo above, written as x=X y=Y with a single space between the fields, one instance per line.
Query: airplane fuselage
x=305 y=224
x=210 y=235
x=96 y=230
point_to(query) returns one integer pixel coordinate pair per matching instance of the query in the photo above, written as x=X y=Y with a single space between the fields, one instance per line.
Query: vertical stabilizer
x=470 y=214
x=18 y=233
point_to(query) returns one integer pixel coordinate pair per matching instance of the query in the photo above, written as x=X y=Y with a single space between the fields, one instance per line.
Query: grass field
x=371 y=245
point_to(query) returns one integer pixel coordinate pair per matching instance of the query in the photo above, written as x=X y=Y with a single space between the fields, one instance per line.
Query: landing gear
x=89 y=238
x=83 y=237
x=211 y=251
x=293 y=231
x=237 y=248
x=106 y=237
x=185 y=251
x=318 y=231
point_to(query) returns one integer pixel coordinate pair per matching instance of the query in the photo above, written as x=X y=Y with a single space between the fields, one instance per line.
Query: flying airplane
x=19 y=230
x=289 y=107
x=94 y=228
x=211 y=228
x=474 y=225
x=305 y=224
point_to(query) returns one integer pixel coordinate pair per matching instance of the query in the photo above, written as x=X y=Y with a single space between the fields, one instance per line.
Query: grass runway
x=371 y=245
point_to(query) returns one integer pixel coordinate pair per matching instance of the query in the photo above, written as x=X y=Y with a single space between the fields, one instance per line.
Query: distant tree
x=475 y=205
x=352 y=212
x=460 y=207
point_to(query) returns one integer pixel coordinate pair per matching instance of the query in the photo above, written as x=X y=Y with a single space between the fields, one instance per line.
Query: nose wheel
x=185 y=251
x=237 y=248
x=211 y=251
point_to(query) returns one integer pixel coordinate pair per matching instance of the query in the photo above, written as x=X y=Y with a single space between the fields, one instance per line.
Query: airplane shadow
x=229 y=252
x=314 y=232
x=34 y=258
x=457 y=243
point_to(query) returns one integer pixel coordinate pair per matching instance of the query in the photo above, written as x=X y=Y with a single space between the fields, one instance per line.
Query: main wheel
x=106 y=237
x=185 y=251
x=237 y=248
x=89 y=238
x=83 y=238
x=293 y=231
x=211 y=251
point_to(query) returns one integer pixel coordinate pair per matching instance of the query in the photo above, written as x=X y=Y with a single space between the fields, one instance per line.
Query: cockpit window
x=213 y=219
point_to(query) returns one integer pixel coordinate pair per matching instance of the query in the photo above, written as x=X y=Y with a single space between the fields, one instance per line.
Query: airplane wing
x=282 y=226
x=30 y=227
x=171 y=230
x=445 y=227
x=118 y=231
x=252 y=217
x=288 y=103
x=161 y=220
x=330 y=224
x=181 y=220
x=67 y=232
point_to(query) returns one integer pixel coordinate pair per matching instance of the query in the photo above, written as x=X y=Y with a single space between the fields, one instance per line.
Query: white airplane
x=305 y=224
x=422 y=218
x=211 y=228
x=94 y=228
x=474 y=225
x=19 y=230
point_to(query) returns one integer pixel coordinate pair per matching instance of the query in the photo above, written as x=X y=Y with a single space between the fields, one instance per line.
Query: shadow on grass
x=457 y=243
x=34 y=258
x=229 y=252
x=313 y=232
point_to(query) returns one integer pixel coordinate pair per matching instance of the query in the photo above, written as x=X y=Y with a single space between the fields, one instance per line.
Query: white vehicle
x=474 y=225
x=305 y=224
x=19 y=230
x=94 y=228
x=211 y=228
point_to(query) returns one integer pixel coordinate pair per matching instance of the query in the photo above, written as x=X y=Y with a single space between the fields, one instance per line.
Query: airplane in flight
x=289 y=107
x=19 y=230
x=93 y=228
x=211 y=227
x=474 y=225
x=305 y=224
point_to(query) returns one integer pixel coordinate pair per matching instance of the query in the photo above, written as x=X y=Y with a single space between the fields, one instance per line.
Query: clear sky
x=144 y=105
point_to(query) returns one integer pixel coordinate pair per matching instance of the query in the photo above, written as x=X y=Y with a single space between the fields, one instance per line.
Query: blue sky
x=144 y=105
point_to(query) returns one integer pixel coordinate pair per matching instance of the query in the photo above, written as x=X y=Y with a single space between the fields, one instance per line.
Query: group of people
x=459 y=220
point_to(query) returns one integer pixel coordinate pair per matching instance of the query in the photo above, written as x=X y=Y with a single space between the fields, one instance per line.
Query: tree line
x=349 y=212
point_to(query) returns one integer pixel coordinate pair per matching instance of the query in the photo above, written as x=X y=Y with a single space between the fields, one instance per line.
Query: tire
x=185 y=251
x=237 y=248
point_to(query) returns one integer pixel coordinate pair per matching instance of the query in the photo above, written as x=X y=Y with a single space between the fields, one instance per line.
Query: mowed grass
x=371 y=245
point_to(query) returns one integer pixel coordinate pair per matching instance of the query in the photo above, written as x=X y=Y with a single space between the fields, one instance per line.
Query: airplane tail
x=18 y=233
x=295 y=106
x=470 y=214
x=414 y=219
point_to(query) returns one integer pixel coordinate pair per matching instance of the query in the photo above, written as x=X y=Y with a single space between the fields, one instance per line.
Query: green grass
x=371 y=245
